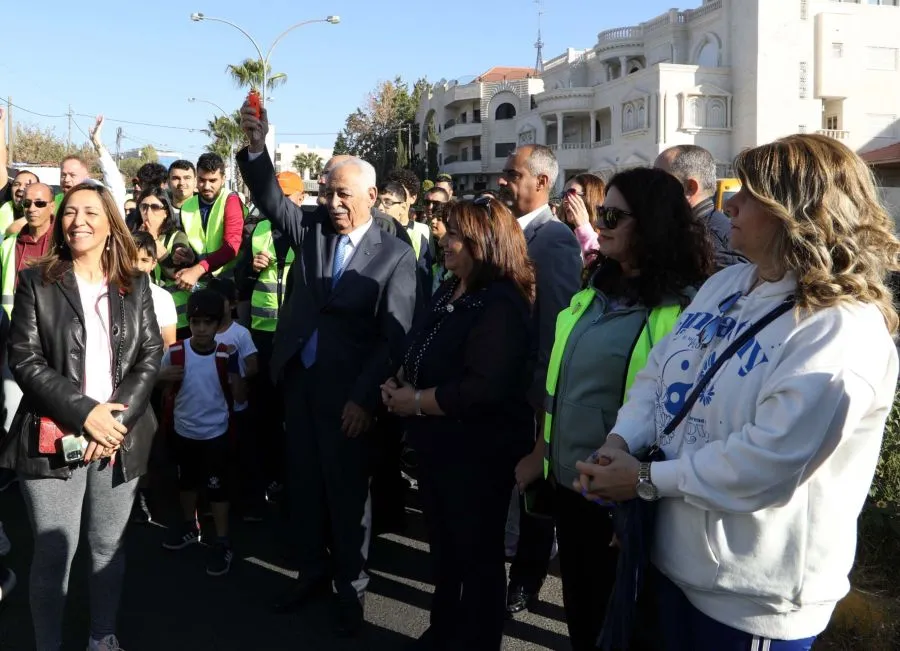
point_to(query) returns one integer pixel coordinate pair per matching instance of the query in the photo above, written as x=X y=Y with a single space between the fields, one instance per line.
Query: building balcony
x=565 y=100
x=620 y=37
x=462 y=93
x=605 y=142
x=452 y=165
x=573 y=155
x=834 y=133
x=461 y=131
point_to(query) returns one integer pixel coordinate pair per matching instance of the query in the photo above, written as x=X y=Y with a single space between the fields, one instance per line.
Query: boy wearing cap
x=200 y=415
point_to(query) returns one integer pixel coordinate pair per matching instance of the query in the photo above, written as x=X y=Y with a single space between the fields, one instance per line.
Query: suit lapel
x=542 y=218
x=368 y=248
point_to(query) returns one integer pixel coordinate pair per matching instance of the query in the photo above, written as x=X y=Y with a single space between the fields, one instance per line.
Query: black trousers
x=529 y=567
x=587 y=564
x=465 y=503
x=388 y=486
x=267 y=404
x=328 y=483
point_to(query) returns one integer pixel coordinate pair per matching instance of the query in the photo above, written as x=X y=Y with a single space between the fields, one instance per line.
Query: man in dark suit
x=528 y=178
x=339 y=336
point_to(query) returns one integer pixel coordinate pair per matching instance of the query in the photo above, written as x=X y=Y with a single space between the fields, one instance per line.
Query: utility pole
x=119 y=134
x=69 y=138
x=10 y=132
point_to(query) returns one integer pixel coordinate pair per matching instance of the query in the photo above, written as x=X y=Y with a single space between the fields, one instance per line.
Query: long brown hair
x=117 y=261
x=496 y=243
x=594 y=193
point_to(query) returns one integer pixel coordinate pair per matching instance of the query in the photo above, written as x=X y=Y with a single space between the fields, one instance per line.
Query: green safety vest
x=268 y=293
x=416 y=235
x=659 y=324
x=56 y=201
x=210 y=240
x=8 y=274
x=179 y=296
x=7 y=217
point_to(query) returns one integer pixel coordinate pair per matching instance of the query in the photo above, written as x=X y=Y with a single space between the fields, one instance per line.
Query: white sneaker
x=7 y=584
x=109 y=643
x=5 y=545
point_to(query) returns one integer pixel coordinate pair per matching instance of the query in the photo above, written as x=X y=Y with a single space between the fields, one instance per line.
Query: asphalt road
x=171 y=604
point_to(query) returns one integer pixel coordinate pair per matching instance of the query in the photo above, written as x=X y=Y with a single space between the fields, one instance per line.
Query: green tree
x=38 y=146
x=249 y=74
x=308 y=161
x=380 y=130
x=130 y=166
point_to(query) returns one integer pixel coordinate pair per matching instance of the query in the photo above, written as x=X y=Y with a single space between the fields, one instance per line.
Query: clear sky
x=141 y=65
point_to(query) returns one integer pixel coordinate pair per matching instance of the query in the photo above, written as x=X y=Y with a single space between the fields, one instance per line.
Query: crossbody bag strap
x=729 y=352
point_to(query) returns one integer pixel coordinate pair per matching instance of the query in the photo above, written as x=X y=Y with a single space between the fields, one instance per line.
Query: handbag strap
x=729 y=352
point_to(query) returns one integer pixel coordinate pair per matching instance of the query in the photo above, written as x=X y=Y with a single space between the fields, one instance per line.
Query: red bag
x=49 y=433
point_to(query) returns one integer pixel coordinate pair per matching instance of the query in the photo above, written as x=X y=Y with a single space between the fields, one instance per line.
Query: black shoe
x=179 y=538
x=274 y=492
x=348 y=617
x=302 y=592
x=519 y=599
x=218 y=559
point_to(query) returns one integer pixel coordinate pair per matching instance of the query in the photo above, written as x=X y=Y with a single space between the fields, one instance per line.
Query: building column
x=623 y=62
x=606 y=71
x=593 y=127
x=559 y=130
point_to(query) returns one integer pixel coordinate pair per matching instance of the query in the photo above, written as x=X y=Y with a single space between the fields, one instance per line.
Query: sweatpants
x=56 y=509
x=687 y=629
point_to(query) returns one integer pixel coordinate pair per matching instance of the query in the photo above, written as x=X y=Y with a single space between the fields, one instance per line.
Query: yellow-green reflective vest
x=179 y=296
x=210 y=240
x=57 y=200
x=7 y=217
x=268 y=293
x=8 y=274
x=659 y=324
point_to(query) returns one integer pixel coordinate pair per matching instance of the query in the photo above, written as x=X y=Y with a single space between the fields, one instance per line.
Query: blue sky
x=114 y=58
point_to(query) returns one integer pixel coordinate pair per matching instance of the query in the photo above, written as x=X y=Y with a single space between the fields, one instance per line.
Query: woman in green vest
x=653 y=254
x=159 y=220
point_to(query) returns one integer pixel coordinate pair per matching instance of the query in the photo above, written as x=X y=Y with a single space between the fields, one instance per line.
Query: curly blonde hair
x=835 y=233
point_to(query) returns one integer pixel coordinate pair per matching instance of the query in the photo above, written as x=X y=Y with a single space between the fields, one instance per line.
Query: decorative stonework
x=635 y=113
x=705 y=108
x=527 y=135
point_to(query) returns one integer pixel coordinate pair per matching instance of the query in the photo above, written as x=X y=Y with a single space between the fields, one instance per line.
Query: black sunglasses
x=434 y=204
x=155 y=207
x=611 y=216
x=485 y=202
x=40 y=203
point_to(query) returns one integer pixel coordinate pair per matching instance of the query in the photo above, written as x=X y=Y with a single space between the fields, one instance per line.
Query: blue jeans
x=684 y=628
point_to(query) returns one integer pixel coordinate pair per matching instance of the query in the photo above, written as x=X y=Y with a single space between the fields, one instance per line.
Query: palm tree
x=249 y=74
x=308 y=161
x=227 y=135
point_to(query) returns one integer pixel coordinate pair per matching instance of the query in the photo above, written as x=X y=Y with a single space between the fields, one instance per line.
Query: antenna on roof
x=539 y=44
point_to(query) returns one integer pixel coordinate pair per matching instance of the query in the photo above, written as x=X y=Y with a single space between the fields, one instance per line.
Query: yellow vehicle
x=725 y=189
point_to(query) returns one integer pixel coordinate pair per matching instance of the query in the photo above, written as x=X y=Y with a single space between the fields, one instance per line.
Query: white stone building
x=286 y=151
x=726 y=75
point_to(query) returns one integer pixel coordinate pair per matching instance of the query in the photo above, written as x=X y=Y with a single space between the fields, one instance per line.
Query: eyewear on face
x=434 y=204
x=485 y=202
x=388 y=203
x=612 y=216
x=573 y=192
x=709 y=331
x=40 y=203
x=155 y=207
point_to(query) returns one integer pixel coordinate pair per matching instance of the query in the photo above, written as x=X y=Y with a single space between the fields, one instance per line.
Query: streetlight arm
x=241 y=30
x=287 y=31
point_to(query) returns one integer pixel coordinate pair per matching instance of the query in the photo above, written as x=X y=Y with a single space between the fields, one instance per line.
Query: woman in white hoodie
x=766 y=475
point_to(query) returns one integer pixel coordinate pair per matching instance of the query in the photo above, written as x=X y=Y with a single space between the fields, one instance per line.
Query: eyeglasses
x=155 y=207
x=40 y=203
x=485 y=202
x=388 y=203
x=709 y=331
x=434 y=204
x=573 y=191
x=611 y=216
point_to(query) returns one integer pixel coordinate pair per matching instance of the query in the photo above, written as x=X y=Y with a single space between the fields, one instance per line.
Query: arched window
x=628 y=119
x=694 y=113
x=505 y=111
x=708 y=54
x=715 y=114
x=642 y=116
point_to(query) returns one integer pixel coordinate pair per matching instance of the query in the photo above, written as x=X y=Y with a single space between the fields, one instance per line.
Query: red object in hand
x=254 y=100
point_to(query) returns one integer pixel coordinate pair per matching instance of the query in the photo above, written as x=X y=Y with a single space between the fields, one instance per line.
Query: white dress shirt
x=524 y=220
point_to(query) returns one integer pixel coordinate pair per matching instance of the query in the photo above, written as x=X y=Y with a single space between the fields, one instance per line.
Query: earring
x=107 y=242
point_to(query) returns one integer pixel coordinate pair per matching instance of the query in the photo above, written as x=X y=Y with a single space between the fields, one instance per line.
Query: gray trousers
x=56 y=508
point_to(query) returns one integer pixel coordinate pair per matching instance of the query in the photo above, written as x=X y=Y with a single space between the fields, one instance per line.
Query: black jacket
x=46 y=357
x=719 y=226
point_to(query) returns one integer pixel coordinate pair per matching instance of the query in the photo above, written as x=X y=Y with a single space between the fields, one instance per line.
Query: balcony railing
x=450 y=159
x=449 y=123
x=699 y=12
x=834 y=133
x=620 y=34
x=605 y=142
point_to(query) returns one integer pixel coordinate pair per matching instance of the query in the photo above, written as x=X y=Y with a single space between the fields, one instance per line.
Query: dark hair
x=671 y=246
x=443 y=178
x=118 y=258
x=182 y=164
x=496 y=243
x=144 y=242
x=206 y=303
x=408 y=179
x=170 y=224
x=224 y=287
x=21 y=172
x=436 y=189
x=594 y=193
x=395 y=188
x=210 y=162
x=151 y=175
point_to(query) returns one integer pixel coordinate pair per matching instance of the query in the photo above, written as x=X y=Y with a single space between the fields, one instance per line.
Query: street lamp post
x=231 y=179
x=334 y=20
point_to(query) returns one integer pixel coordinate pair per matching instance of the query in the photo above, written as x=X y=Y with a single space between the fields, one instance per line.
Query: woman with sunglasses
x=583 y=194
x=85 y=349
x=463 y=388
x=766 y=474
x=653 y=253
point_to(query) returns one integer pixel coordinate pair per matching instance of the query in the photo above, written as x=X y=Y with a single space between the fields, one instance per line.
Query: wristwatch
x=645 y=488
x=419 y=411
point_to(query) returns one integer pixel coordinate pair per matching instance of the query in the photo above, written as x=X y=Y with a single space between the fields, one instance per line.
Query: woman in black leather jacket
x=85 y=349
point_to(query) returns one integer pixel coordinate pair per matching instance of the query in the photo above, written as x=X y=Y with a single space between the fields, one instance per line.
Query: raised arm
x=112 y=177
x=4 y=158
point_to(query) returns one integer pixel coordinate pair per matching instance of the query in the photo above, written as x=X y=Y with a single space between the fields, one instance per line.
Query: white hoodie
x=764 y=480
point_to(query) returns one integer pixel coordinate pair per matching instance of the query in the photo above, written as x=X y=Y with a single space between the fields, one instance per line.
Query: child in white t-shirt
x=163 y=303
x=201 y=419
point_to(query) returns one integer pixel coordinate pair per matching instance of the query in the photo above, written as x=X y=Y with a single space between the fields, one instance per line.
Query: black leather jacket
x=46 y=357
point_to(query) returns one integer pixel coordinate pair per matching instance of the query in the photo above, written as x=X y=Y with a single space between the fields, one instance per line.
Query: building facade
x=285 y=152
x=726 y=75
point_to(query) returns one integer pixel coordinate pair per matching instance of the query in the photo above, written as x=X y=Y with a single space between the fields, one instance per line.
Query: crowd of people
x=562 y=369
